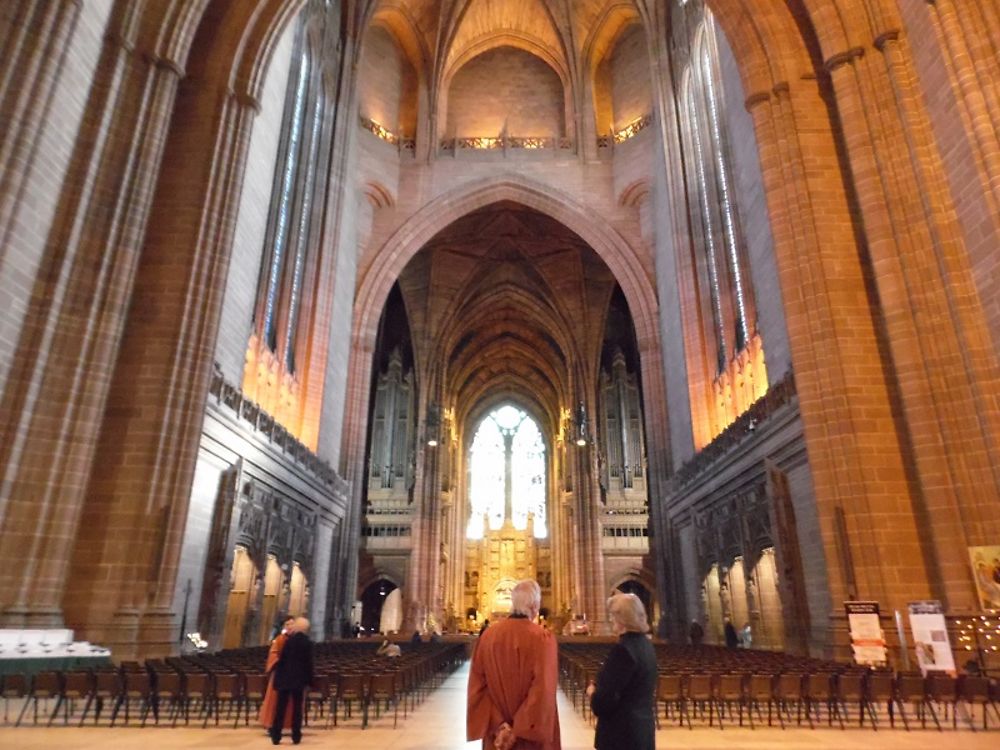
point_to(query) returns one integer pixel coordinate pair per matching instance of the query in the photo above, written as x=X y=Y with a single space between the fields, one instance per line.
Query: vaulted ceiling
x=440 y=35
x=507 y=303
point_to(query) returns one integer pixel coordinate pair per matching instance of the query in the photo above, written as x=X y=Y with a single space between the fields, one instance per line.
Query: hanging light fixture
x=432 y=424
x=580 y=424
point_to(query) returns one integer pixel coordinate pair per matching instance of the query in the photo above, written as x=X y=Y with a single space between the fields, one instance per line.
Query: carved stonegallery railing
x=777 y=396
x=506 y=143
x=243 y=409
x=629 y=131
x=404 y=143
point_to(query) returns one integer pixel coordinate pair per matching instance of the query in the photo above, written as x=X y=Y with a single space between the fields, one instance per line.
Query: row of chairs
x=205 y=687
x=126 y=692
x=712 y=685
x=820 y=695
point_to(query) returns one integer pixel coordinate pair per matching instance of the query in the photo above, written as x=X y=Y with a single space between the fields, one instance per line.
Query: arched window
x=276 y=359
x=507 y=474
x=290 y=225
x=726 y=369
x=714 y=215
x=287 y=168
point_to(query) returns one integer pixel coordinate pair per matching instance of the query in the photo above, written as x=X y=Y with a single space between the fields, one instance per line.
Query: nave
x=439 y=724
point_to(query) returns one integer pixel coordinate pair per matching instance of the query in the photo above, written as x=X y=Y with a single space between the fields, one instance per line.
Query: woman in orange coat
x=270 y=702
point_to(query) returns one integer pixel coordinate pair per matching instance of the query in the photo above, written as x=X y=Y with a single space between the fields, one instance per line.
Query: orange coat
x=270 y=703
x=515 y=669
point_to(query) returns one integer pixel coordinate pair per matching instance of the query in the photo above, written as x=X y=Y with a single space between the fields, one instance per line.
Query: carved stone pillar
x=836 y=346
x=592 y=596
x=36 y=35
x=73 y=328
x=126 y=555
x=944 y=369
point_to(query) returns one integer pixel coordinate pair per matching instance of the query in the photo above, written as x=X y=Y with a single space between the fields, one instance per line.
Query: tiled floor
x=439 y=724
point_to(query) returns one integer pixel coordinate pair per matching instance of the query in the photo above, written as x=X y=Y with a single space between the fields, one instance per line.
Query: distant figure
x=388 y=649
x=732 y=639
x=292 y=676
x=415 y=638
x=512 y=683
x=696 y=633
x=270 y=702
x=622 y=698
x=435 y=637
x=746 y=636
x=486 y=624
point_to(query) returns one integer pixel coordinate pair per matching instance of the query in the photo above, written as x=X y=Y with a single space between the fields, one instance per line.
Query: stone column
x=837 y=350
x=126 y=555
x=36 y=36
x=73 y=329
x=969 y=33
x=943 y=368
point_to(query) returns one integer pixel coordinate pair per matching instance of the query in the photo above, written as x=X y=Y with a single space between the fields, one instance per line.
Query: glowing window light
x=507 y=437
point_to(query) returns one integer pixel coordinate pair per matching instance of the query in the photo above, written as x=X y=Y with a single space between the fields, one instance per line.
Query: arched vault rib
x=520 y=309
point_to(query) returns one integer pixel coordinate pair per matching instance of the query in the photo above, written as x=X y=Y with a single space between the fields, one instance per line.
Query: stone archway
x=385 y=265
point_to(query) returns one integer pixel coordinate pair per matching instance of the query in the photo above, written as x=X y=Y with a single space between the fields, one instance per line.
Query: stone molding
x=228 y=397
x=780 y=394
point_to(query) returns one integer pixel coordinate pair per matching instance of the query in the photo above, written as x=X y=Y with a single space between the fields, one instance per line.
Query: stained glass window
x=284 y=205
x=507 y=474
x=717 y=231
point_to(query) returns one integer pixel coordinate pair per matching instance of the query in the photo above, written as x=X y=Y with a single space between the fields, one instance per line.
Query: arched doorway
x=274 y=583
x=244 y=574
x=298 y=594
x=373 y=599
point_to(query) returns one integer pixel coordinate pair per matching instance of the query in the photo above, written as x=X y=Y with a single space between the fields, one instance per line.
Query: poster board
x=930 y=637
x=867 y=638
x=985 y=563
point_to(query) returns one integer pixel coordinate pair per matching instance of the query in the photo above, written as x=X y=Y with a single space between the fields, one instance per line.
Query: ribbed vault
x=507 y=301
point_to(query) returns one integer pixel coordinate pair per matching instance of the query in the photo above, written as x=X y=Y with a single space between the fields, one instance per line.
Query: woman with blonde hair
x=622 y=698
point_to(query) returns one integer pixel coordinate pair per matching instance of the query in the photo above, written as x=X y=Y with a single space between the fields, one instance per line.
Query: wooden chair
x=383 y=688
x=759 y=690
x=788 y=690
x=44 y=686
x=14 y=687
x=670 y=692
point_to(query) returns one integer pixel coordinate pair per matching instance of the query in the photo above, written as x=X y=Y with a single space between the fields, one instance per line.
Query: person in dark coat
x=696 y=633
x=622 y=699
x=732 y=639
x=292 y=675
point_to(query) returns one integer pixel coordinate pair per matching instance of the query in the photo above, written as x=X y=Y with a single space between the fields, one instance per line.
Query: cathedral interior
x=366 y=309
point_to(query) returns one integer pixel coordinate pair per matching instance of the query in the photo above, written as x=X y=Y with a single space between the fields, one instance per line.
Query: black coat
x=623 y=700
x=732 y=639
x=294 y=670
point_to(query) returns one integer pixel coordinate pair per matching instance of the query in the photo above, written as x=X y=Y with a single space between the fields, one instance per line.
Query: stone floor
x=439 y=724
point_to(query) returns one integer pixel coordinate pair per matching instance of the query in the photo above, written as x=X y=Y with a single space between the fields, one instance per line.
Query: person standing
x=746 y=636
x=270 y=701
x=696 y=633
x=512 y=683
x=732 y=638
x=292 y=676
x=622 y=698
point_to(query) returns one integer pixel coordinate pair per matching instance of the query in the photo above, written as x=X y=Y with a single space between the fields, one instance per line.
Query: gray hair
x=627 y=611
x=526 y=598
x=301 y=625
